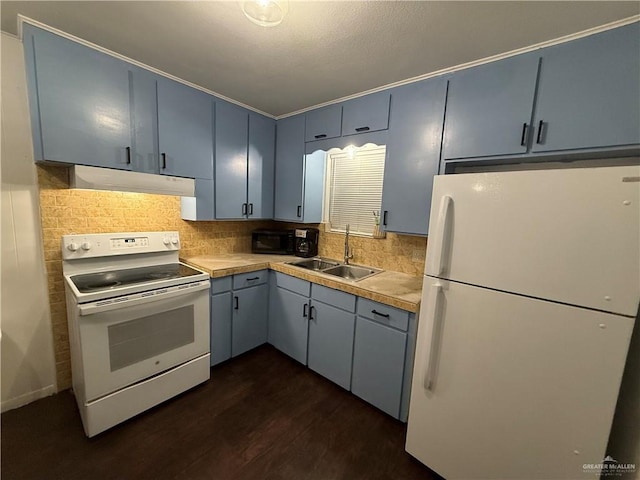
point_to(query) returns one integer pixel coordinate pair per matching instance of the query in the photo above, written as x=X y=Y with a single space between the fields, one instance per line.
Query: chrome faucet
x=347 y=255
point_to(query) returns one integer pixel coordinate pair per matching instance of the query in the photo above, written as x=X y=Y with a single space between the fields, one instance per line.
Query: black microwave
x=273 y=241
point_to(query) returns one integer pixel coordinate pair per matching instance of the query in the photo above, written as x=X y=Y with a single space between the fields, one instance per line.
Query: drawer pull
x=385 y=315
x=362 y=129
x=324 y=135
x=252 y=279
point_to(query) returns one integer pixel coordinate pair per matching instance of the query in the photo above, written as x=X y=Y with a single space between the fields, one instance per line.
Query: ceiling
x=322 y=51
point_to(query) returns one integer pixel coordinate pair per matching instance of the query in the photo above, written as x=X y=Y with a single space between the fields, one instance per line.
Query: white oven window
x=136 y=340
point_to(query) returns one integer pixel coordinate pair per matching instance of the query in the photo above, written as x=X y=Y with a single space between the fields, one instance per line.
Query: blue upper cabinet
x=366 y=114
x=289 y=168
x=79 y=102
x=232 y=130
x=323 y=123
x=144 y=120
x=245 y=149
x=489 y=108
x=185 y=130
x=262 y=149
x=589 y=92
x=413 y=152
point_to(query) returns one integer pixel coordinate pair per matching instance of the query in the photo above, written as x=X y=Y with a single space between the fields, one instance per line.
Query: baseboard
x=21 y=400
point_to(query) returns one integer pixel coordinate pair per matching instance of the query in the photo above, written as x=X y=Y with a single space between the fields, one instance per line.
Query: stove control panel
x=129 y=242
x=110 y=244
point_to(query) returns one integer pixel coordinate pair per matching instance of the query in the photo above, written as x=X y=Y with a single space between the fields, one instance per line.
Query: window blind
x=356 y=188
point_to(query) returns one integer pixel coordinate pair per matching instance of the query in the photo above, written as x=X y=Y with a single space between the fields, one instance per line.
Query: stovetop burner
x=95 y=282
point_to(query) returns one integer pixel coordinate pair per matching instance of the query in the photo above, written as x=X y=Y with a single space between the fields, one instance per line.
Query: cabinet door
x=323 y=123
x=185 y=130
x=366 y=114
x=313 y=187
x=489 y=108
x=589 y=94
x=144 y=121
x=331 y=343
x=232 y=130
x=289 y=168
x=262 y=149
x=249 y=328
x=288 y=322
x=378 y=365
x=220 y=327
x=413 y=153
x=79 y=102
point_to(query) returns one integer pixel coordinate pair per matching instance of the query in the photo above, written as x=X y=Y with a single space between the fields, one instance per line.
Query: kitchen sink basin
x=317 y=264
x=337 y=269
x=351 y=272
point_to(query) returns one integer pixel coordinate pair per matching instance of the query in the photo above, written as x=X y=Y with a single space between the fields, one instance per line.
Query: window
x=354 y=189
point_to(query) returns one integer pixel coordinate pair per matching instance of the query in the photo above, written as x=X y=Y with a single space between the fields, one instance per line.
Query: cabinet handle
x=251 y=209
x=362 y=129
x=299 y=214
x=164 y=160
x=304 y=310
x=237 y=303
x=244 y=209
x=539 y=137
x=384 y=218
x=252 y=279
x=323 y=135
x=385 y=315
x=523 y=139
x=311 y=310
x=128 y=155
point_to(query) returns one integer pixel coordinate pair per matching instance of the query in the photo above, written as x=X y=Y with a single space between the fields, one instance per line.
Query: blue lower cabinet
x=331 y=342
x=249 y=322
x=378 y=365
x=220 y=327
x=288 y=321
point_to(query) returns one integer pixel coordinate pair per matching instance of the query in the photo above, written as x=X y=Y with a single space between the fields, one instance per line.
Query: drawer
x=219 y=285
x=294 y=284
x=384 y=314
x=249 y=279
x=336 y=298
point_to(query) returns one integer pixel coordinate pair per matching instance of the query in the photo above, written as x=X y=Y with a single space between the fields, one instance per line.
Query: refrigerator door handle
x=435 y=261
x=434 y=314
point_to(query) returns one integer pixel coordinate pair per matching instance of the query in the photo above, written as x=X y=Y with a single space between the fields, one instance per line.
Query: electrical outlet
x=418 y=255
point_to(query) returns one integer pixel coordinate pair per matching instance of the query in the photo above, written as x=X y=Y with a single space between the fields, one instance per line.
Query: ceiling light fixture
x=266 y=13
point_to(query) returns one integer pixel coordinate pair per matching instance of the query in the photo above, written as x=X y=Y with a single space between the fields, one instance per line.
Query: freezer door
x=568 y=235
x=506 y=386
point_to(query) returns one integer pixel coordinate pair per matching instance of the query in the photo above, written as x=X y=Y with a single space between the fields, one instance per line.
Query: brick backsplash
x=68 y=211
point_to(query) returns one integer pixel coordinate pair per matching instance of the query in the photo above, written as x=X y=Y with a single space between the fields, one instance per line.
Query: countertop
x=390 y=288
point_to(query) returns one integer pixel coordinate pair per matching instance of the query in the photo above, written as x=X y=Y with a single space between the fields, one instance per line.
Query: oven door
x=128 y=339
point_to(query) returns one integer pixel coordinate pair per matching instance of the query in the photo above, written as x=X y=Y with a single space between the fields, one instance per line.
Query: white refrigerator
x=531 y=291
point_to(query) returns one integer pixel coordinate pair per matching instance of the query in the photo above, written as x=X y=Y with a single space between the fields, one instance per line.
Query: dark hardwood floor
x=260 y=416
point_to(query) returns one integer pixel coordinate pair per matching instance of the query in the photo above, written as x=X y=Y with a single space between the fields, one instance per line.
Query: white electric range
x=138 y=323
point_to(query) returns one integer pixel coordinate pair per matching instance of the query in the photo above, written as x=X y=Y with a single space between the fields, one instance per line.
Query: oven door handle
x=141 y=298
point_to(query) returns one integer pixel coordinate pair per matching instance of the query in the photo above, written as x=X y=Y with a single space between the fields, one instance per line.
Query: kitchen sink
x=337 y=269
x=317 y=264
x=351 y=272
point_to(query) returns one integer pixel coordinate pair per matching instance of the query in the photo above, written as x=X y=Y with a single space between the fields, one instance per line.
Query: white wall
x=26 y=348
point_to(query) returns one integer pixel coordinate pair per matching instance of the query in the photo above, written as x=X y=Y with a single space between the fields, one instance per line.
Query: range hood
x=96 y=178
